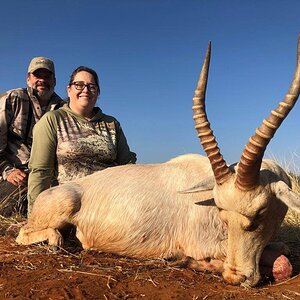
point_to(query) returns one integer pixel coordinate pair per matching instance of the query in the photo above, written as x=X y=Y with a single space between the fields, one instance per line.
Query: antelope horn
x=202 y=125
x=250 y=162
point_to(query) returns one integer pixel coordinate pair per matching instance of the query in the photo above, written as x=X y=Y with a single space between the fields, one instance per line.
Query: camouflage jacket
x=67 y=146
x=17 y=118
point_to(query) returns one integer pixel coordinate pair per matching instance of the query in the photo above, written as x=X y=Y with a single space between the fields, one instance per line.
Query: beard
x=43 y=94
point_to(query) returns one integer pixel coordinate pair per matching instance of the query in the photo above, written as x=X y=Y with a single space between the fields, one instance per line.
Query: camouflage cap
x=41 y=63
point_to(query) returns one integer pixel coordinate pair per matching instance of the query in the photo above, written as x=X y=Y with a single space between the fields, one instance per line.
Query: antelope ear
x=203 y=186
x=284 y=193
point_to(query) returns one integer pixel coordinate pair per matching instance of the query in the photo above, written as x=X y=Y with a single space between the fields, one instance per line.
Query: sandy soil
x=39 y=272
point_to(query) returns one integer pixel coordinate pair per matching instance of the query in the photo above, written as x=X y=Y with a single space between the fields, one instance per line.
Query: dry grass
x=290 y=234
x=6 y=222
x=290 y=229
x=14 y=200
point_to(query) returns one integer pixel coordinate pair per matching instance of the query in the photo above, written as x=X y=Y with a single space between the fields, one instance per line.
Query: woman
x=76 y=140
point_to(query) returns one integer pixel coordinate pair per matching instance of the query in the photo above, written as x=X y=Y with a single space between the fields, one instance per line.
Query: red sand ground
x=37 y=272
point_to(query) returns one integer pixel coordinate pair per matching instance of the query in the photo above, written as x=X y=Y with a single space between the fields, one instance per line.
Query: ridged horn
x=220 y=169
x=251 y=159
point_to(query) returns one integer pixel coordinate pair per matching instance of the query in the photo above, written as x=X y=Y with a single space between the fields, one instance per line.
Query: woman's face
x=83 y=93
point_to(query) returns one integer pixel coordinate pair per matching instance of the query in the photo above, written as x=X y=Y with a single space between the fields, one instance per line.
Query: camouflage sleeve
x=124 y=155
x=5 y=117
x=42 y=163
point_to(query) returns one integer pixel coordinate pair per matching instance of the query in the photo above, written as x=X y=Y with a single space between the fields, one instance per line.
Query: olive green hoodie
x=68 y=146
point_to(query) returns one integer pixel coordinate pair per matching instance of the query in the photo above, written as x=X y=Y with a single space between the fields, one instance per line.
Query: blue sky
x=148 y=55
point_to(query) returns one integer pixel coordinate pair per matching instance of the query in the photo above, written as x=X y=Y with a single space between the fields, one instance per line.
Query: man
x=20 y=109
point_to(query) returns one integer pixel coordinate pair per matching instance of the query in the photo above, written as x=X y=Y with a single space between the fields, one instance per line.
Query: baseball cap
x=41 y=62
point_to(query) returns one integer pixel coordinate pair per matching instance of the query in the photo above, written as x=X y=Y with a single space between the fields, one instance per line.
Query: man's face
x=43 y=83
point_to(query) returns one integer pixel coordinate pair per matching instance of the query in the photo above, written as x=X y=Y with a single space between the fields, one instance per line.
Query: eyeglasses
x=80 y=85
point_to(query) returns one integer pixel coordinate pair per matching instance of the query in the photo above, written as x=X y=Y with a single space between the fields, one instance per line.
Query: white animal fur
x=139 y=211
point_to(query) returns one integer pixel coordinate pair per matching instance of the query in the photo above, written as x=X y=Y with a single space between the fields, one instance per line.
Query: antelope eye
x=257 y=219
x=253 y=226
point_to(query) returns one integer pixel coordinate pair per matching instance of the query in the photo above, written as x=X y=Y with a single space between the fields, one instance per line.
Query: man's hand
x=17 y=177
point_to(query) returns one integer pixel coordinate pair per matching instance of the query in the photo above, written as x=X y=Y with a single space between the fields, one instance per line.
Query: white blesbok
x=193 y=209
